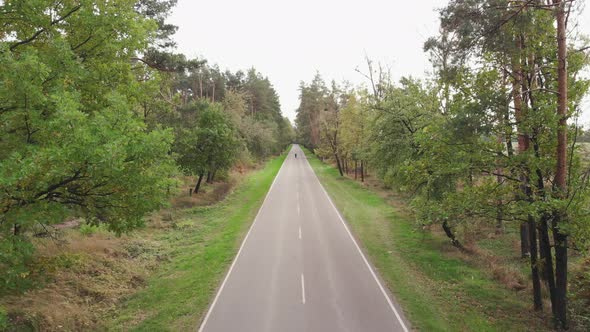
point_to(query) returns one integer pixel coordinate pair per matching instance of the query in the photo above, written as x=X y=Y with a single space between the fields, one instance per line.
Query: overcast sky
x=289 y=41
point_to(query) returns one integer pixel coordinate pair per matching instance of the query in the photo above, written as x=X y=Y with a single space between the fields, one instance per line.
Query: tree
x=518 y=41
x=71 y=141
x=208 y=143
x=312 y=103
x=355 y=130
x=561 y=183
x=250 y=102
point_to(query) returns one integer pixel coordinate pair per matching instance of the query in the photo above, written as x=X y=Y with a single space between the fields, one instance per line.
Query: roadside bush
x=89 y=229
x=3 y=319
x=15 y=255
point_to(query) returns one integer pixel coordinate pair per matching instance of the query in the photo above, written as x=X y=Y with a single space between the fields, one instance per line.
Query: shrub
x=89 y=229
x=3 y=319
x=15 y=256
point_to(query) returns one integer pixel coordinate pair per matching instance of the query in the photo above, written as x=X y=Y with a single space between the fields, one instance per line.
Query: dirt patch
x=68 y=224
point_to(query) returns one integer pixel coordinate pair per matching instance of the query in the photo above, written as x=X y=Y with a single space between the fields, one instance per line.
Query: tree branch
x=36 y=34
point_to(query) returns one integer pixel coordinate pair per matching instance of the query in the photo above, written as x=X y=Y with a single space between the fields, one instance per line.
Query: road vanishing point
x=300 y=269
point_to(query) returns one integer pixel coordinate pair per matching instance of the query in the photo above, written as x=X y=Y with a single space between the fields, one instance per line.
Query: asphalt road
x=300 y=269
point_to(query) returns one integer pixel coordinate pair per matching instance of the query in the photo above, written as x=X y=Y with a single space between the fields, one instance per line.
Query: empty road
x=299 y=268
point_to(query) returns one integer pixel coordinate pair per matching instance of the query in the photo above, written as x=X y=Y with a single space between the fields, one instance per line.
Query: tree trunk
x=522 y=137
x=355 y=169
x=524 y=240
x=499 y=217
x=213 y=175
x=499 y=207
x=537 y=300
x=561 y=170
x=200 y=87
x=547 y=259
x=544 y=241
x=362 y=171
x=213 y=92
x=449 y=232
x=560 y=239
x=209 y=177
x=339 y=164
x=199 y=183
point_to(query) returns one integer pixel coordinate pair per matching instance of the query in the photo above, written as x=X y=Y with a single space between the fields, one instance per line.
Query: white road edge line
x=298 y=209
x=361 y=253
x=299 y=232
x=239 y=250
x=302 y=289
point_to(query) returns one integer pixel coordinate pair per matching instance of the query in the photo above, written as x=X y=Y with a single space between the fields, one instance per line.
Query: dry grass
x=436 y=285
x=210 y=193
x=580 y=299
x=502 y=272
x=501 y=269
x=81 y=279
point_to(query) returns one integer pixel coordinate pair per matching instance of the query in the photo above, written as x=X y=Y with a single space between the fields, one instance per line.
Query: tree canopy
x=98 y=115
x=488 y=138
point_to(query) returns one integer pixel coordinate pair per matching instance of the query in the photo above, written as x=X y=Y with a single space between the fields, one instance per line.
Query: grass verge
x=203 y=244
x=437 y=289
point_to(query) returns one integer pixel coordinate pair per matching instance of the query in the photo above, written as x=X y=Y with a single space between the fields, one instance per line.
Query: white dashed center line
x=302 y=289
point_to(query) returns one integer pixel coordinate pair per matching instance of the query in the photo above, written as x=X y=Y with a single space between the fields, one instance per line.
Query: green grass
x=437 y=290
x=203 y=246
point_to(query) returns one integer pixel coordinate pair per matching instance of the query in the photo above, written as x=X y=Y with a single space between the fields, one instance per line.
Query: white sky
x=289 y=41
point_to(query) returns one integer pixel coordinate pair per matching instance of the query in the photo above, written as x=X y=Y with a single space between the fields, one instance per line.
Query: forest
x=103 y=122
x=99 y=118
x=490 y=140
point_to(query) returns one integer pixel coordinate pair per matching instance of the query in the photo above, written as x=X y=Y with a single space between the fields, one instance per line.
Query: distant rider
x=296 y=155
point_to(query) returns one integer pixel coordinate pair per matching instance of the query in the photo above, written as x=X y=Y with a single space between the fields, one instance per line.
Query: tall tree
x=518 y=38
x=312 y=104
x=71 y=141
x=560 y=217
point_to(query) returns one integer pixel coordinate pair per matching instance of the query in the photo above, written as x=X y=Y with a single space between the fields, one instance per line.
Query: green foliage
x=312 y=102
x=249 y=101
x=90 y=229
x=354 y=127
x=15 y=256
x=3 y=319
x=438 y=291
x=260 y=137
x=71 y=141
x=478 y=142
x=217 y=143
x=207 y=141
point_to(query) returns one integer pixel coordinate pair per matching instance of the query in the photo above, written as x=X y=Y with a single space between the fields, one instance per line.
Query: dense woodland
x=99 y=117
x=490 y=137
